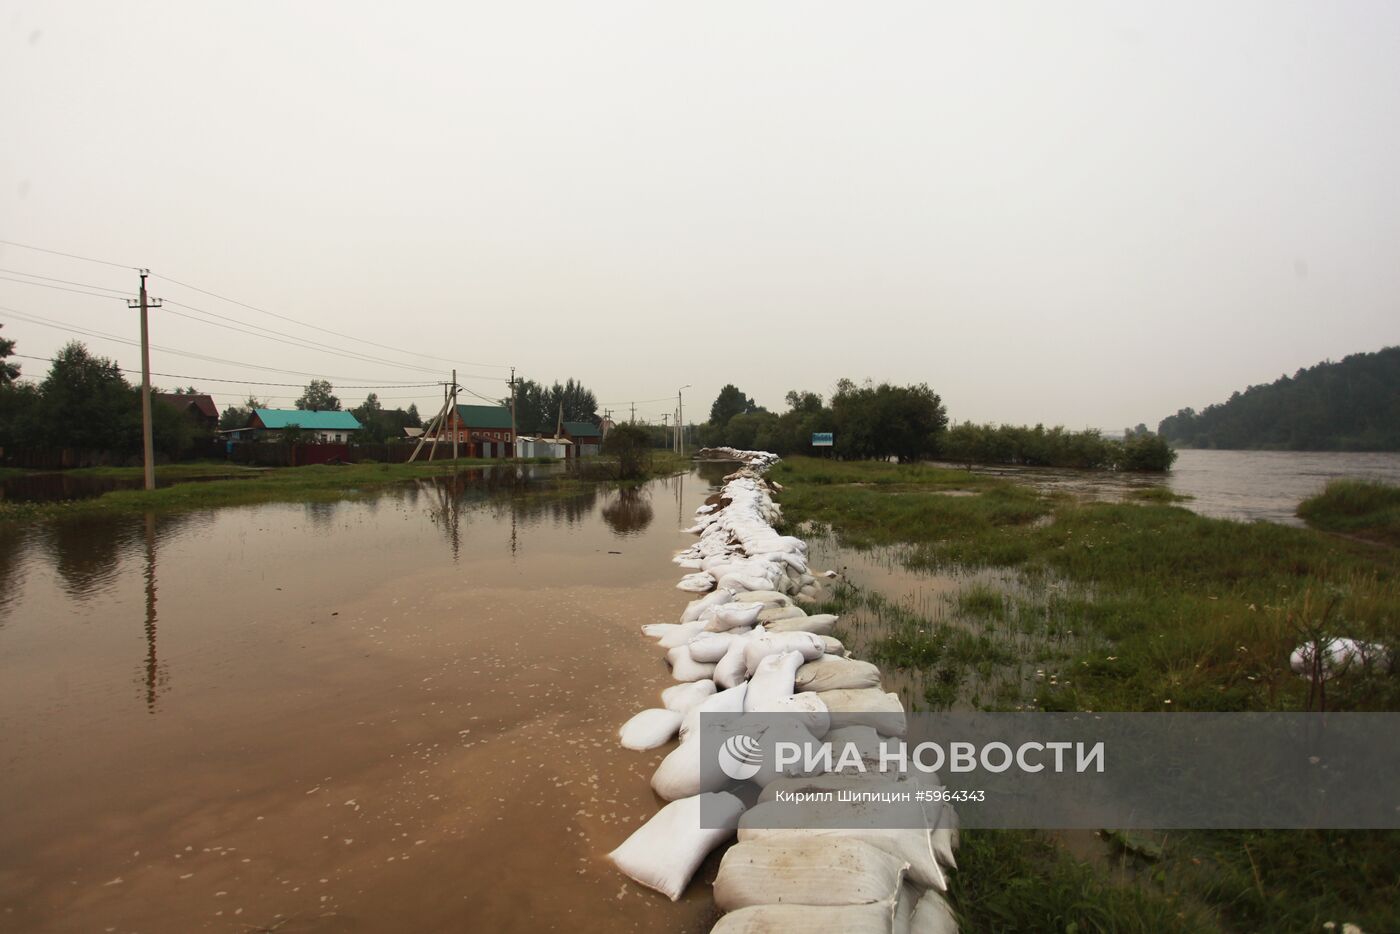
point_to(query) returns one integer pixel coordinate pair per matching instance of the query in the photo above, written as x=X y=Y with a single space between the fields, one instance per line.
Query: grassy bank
x=1134 y=606
x=1356 y=507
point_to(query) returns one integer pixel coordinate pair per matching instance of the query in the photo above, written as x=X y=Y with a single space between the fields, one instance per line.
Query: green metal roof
x=484 y=416
x=308 y=419
x=583 y=429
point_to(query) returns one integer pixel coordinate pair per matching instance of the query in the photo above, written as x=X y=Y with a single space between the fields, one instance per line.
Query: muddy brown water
x=398 y=713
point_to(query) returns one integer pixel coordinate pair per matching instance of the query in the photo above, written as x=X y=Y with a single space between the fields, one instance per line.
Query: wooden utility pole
x=513 y=435
x=634 y=413
x=147 y=443
x=455 y=432
x=434 y=427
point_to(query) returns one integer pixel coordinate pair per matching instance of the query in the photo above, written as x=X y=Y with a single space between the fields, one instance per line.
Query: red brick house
x=484 y=430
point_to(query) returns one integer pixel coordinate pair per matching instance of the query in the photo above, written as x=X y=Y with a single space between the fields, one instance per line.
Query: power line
x=45 y=285
x=291 y=340
x=86 y=285
x=249 y=382
x=71 y=328
x=317 y=327
x=88 y=259
x=637 y=401
x=378 y=345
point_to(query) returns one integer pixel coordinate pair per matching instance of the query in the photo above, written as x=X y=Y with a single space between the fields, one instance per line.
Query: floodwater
x=1243 y=485
x=395 y=713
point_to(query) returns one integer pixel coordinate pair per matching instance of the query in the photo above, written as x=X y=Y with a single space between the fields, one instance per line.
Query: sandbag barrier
x=745 y=644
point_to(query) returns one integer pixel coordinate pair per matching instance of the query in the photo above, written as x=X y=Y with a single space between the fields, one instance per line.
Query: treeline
x=868 y=421
x=910 y=423
x=85 y=402
x=1054 y=447
x=538 y=407
x=1351 y=405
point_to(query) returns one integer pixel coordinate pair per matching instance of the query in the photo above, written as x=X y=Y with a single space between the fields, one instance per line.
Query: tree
x=237 y=416
x=318 y=397
x=631 y=446
x=87 y=403
x=885 y=421
x=537 y=408
x=729 y=403
x=9 y=372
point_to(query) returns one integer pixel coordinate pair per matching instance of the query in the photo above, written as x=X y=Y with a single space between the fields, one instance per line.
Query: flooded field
x=396 y=713
x=998 y=632
x=1244 y=485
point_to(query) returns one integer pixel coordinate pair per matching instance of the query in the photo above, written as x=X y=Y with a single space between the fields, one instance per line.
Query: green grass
x=1125 y=607
x=1356 y=507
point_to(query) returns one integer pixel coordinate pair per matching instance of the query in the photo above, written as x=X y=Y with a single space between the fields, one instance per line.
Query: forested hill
x=1352 y=405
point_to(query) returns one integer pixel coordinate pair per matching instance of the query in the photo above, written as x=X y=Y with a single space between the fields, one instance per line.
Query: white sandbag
x=658 y=630
x=810 y=871
x=787 y=730
x=823 y=624
x=912 y=846
x=709 y=647
x=833 y=673
x=769 y=598
x=933 y=915
x=685 y=668
x=773 y=614
x=650 y=728
x=731 y=670
x=682 y=634
x=1337 y=655
x=763 y=644
x=726 y=701
x=734 y=615
x=694 y=608
x=866 y=707
x=772 y=680
x=664 y=853
x=864 y=739
x=744 y=582
x=684 y=772
x=697 y=583
x=683 y=697
x=807 y=919
x=806 y=709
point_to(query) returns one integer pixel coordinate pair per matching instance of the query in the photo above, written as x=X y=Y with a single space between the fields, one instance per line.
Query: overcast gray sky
x=1077 y=213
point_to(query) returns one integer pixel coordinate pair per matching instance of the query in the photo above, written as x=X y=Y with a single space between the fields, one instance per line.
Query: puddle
x=397 y=713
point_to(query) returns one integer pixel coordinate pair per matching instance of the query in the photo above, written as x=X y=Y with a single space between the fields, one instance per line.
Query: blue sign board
x=821 y=439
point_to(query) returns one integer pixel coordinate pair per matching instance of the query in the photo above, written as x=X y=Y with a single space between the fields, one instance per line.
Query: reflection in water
x=12 y=539
x=629 y=512
x=157 y=678
x=320 y=514
x=85 y=554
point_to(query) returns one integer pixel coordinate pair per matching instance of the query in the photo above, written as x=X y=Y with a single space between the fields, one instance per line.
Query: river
x=1244 y=485
x=392 y=713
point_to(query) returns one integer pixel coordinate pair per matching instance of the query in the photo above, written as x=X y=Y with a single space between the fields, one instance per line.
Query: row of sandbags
x=748 y=646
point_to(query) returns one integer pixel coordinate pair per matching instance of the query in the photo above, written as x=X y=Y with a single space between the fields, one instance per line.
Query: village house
x=197 y=407
x=324 y=426
x=586 y=438
x=484 y=429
